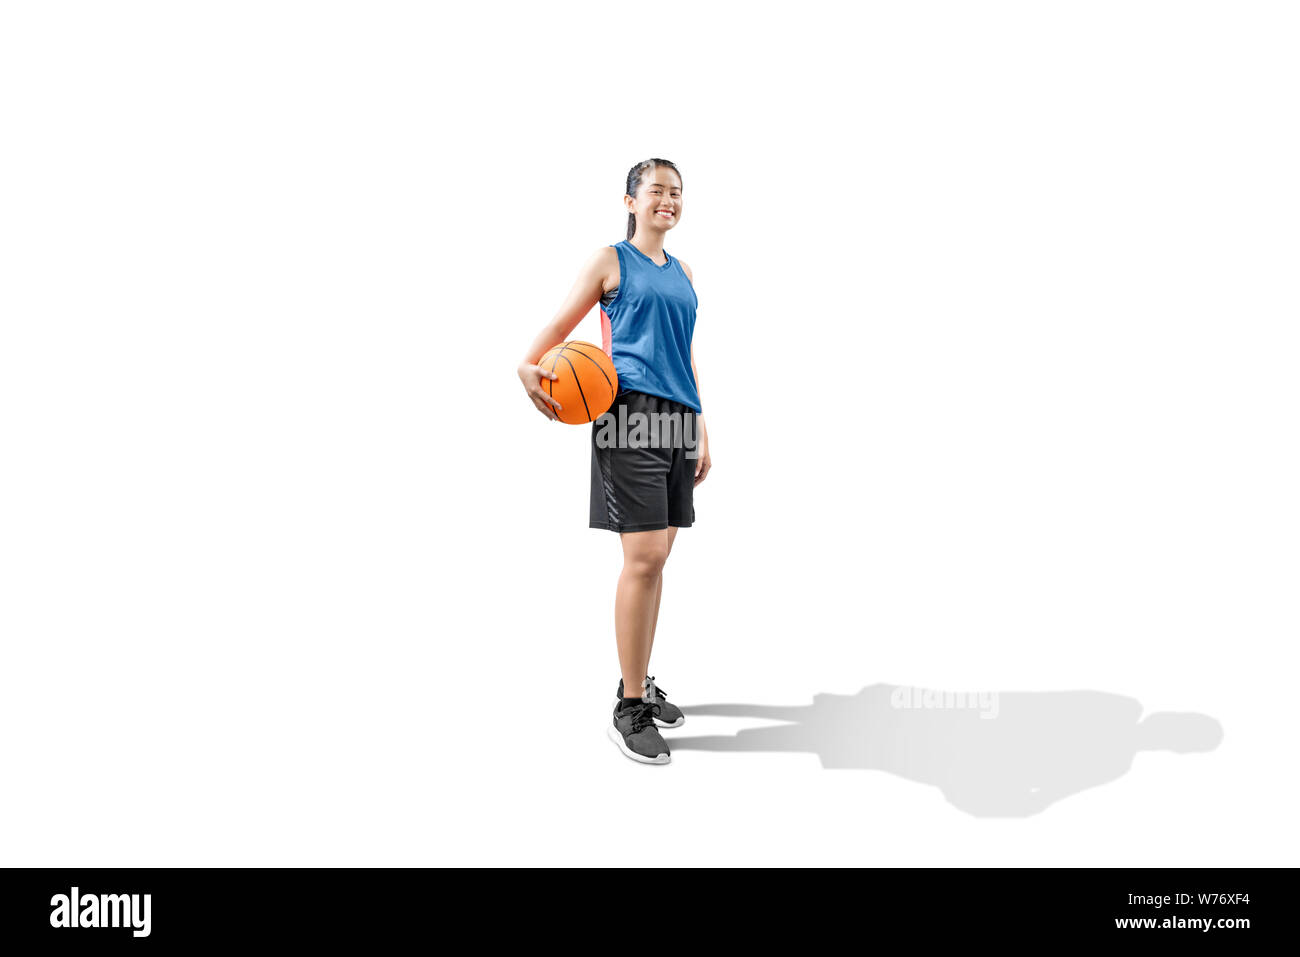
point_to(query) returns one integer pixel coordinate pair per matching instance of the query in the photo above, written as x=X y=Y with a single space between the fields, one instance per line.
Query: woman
x=645 y=494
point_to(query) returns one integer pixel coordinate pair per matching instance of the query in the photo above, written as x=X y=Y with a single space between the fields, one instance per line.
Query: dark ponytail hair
x=634 y=177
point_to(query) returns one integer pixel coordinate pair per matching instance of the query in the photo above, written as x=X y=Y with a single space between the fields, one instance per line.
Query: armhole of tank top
x=605 y=302
x=689 y=284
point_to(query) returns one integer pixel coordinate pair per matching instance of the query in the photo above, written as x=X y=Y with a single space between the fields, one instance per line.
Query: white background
x=997 y=350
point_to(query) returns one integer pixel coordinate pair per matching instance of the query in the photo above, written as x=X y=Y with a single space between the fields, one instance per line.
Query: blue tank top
x=647 y=325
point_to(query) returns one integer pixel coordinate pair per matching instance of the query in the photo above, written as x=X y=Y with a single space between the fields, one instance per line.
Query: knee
x=646 y=563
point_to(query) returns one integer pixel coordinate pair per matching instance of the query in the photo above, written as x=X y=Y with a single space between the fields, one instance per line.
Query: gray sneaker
x=667 y=714
x=635 y=734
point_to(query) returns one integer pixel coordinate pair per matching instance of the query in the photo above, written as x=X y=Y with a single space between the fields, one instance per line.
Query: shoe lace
x=643 y=716
x=652 y=691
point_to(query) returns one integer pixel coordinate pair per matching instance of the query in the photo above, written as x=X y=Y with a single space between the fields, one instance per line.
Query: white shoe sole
x=660 y=724
x=622 y=746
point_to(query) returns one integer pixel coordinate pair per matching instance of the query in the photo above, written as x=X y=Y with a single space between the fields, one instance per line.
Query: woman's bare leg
x=659 y=590
x=644 y=554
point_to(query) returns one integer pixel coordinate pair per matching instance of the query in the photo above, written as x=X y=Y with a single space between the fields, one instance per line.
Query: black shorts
x=638 y=489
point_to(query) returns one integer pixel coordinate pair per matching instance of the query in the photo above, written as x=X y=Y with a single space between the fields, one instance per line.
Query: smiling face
x=660 y=191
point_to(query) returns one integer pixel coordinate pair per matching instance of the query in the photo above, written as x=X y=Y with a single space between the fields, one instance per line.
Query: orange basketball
x=587 y=381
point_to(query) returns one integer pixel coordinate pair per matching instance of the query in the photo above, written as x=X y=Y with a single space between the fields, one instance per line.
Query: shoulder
x=604 y=265
x=603 y=260
x=686 y=269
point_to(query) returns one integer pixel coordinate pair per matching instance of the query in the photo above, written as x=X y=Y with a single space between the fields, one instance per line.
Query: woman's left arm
x=703 y=463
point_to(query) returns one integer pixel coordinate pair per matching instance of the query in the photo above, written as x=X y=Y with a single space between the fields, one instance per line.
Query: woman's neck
x=653 y=250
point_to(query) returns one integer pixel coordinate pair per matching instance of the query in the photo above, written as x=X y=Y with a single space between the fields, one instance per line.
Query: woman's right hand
x=531 y=376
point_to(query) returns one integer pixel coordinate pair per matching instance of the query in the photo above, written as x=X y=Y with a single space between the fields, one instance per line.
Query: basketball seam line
x=568 y=345
x=577 y=382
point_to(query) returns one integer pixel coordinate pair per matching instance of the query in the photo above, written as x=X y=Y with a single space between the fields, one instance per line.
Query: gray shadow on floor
x=992 y=754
